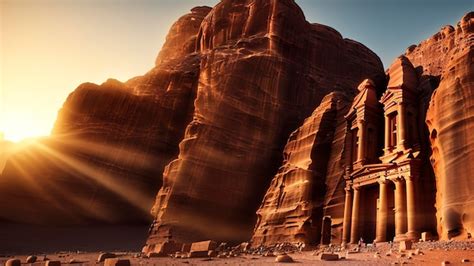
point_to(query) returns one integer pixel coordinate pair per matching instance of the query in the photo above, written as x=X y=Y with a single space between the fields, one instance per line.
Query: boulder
x=31 y=259
x=284 y=259
x=13 y=262
x=329 y=256
x=103 y=256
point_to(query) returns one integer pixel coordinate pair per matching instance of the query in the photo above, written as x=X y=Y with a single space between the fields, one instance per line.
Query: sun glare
x=20 y=126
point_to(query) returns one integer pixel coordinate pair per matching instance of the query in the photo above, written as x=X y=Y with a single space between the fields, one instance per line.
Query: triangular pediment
x=367 y=98
x=371 y=168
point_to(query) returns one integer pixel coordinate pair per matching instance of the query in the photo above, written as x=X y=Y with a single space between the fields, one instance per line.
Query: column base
x=413 y=236
x=399 y=238
x=380 y=240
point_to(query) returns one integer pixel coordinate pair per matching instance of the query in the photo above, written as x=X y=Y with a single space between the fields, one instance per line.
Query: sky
x=49 y=47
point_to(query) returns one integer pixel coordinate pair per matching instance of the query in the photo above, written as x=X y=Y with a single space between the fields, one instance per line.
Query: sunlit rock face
x=110 y=143
x=264 y=69
x=293 y=207
x=450 y=118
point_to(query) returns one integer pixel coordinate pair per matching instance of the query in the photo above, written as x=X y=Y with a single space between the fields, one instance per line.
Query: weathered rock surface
x=263 y=70
x=449 y=54
x=110 y=143
x=292 y=209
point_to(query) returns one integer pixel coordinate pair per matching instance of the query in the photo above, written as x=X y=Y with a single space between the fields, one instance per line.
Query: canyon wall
x=110 y=143
x=449 y=55
x=293 y=207
x=264 y=69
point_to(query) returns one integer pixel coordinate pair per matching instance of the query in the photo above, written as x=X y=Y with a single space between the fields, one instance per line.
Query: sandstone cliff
x=263 y=70
x=110 y=143
x=449 y=54
x=293 y=207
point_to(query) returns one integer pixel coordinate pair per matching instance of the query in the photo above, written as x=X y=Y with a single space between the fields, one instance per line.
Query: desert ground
x=426 y=253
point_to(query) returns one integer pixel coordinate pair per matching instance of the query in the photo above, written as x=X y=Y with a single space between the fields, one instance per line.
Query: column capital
x=398 y=180
x=409 y=178
x=383 y=180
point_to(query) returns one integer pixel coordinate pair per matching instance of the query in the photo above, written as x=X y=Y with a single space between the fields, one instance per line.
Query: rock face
x=450 y=118
x=263 y=70
x=110 y=143
x=292 y=209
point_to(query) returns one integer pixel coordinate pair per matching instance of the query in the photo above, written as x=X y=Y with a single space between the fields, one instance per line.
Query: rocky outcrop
x=450 y=118
x=110 y=143
x=293 y=207
x=263 y=70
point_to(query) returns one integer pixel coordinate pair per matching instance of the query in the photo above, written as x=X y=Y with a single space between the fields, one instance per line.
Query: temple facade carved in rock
x=383 y=175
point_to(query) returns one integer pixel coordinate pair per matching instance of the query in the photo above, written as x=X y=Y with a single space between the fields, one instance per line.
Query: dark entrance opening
x=368 y=212
x=391 y=211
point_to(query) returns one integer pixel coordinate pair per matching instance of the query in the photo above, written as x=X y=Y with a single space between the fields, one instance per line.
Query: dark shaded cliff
x=263 y=70
x=110 y=143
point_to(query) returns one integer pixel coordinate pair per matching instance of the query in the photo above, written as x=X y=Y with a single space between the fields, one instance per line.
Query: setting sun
x=18 y=126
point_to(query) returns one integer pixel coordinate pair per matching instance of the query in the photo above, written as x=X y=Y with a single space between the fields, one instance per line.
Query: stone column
x=412 y=233
x=347 y=216
x=387 y=134
x=362 y=141
x=401 y=126
x=355 y=216
x=400 y=210
x=382 y=215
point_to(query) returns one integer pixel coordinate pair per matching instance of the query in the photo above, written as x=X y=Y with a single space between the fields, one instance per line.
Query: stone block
x=329 y=256
x=405 y=245
x=203 y=246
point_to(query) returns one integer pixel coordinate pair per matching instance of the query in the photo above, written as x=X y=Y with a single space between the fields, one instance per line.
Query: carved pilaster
x=347 y=216
x=355 y=216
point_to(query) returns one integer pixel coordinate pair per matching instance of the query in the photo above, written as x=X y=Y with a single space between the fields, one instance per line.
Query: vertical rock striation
x=292 y=208
x=263 y=70
x=450 y=119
